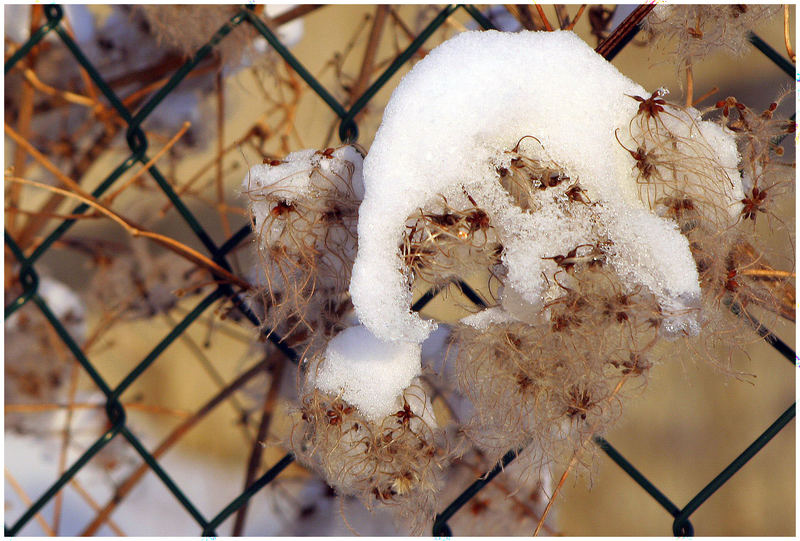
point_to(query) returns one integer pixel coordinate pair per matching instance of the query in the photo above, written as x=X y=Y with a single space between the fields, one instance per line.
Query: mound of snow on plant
x=448 y=129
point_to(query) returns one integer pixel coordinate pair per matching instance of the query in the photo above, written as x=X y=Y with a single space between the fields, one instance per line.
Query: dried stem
x=150 y=73
x=87 y=81
x=108 y=320
x=203 y=169
x=254 y=463
x=590 y=434
x=109 y=199
x=689 y=85
x=27 y=502
x=136 y=96
x=53 y=215
x=65 y=437
x=221 y=207
x=787 y=39
x=227 y=330
x=131 y=481
x=65 y=95
x=24 y=127
x=370 y=52
x=295 y=13
x=562 y=15
x=135 y=231
x=212 y=372
x=555 y=493
x=510 y=494
x=755 y=266
x=33 y=226
x=43 y=161
x=571 y=25
x=95 y=507
x=624 y=29
x=421 y=52
x=768 y=274
x=544 y=18
x=525 y=17
x=705 y=96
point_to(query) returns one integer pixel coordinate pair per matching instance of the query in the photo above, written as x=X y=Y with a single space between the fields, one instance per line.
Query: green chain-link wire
x=348 y=132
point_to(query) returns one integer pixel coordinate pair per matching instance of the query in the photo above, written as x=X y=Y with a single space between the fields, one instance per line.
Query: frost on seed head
x=303 y=210
x=486 y=111
x=394 y=459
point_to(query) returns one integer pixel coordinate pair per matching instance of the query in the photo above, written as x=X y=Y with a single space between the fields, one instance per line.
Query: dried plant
x=690 y=33
x=396 y=462
x=307 y=240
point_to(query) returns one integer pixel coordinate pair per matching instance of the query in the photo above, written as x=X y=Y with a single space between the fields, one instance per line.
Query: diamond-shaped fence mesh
x=348 y=132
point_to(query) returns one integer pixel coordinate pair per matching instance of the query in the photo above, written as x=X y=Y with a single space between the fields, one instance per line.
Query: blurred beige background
x=681 y=431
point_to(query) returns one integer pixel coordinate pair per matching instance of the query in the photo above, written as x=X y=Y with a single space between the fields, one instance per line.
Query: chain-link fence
x=348 y=132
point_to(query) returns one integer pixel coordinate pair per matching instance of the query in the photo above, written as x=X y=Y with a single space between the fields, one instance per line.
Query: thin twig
x=295 y=13
x=53 y=215
x=130 y=482
x=43 y=161
x=222 y=207
x=149 y=73
x=562 y=15
x=94 y=505
x=109 y=318
x=571 y=25
x=87 y=80
x=523 y=14
x=228 y=330
x=65 y=437
x=27 y=502
x=136 y=231
x=787 y=38
x=203 y=169
x=624 y=30
x=590 y=434
x=768 y=273
x=212 y=372
x=256 y=452
x=220 y=93
x=510 y=494
x=705 y=96
x=689 y=85
x=544 y=18
x=34 y=225
x=109 y=199
x=66 y=95
x=370 y=52
x=555 y=493
x=783 y=290
x=24 y=127
x=421 y=52
x=131 y=100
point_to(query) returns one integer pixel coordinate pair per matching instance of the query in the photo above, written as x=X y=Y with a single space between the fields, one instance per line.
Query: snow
x=149 y=509
x=309 y=180
x=486 y=318
x=434 y=349
x=366 y=372
x=452 y=120
x=306 y=172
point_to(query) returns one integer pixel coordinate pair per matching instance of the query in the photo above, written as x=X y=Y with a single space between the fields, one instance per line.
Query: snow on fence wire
x=348 y=132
